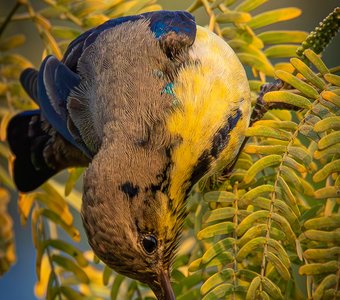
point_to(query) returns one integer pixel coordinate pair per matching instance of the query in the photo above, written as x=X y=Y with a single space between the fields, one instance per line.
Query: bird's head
x=131 y=223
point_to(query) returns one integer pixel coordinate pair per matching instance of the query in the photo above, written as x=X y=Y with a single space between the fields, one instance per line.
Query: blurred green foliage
x=246 y=234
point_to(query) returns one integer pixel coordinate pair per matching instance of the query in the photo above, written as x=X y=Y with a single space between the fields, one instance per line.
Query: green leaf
x=55 y=202
x=275 y=247
x=279 y=51
x=253 y=287
x=195 y=265
x=282 y=36
x=222 y=259
x=328 y=152
x=106 y=275
x=279 y=266
x=249 y=5
x=263 y=163
x=319 y=268
x=70 y=293
x=265 y=131
x=327 y=124
x=233 y=17
x=264 y=149
x=292 y=163
x=331 y=97
x=219 y=292
x=316 y=61
x=256 y=62
x=274 y=16
x=116 y=285
x=328 y=192
x=219 y=214
x=246 y=275
x=333 y=79
x=328 y=169
x=321 y=111
x=71 y=266
x=289 y=194
x=67 y=248
x=327 y=283
x=191 y=294
x=322 y=254
x=282 y=207
x=221 y=246
x=250 y=220
x=271 y=289
x=330 y=222
x=308 y=131
x=288 y=98
x=219 y=196
x=264 y=295
x=301 y=153
x=286 y=228
x=303 y=87
x=323 y=236
x=258 y=191
x=290 y=176
x=285 y=125
x=258 y=231
x=255 y=85
x=216 y=279
x=312 y=119
x=75 y=173
x=217 y=229
x=307 y=73
x=70 y=230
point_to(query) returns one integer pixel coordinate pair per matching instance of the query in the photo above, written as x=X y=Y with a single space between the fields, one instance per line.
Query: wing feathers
x=55 y=81
x=28 y=80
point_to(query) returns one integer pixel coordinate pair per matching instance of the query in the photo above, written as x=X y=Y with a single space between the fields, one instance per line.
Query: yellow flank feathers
x=209 y=92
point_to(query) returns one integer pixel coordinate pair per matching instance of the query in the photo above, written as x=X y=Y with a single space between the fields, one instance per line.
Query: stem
x=9 y=17
x=337 y=279
x=49 y=255
x=212 y=24
x=273 y=195
x=235 y=247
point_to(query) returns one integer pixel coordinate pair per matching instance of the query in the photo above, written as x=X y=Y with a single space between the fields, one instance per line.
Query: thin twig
x=49 y=256
x=9 y=17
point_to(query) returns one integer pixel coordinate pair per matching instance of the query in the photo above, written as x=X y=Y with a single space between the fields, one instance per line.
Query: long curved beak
x=164 y=280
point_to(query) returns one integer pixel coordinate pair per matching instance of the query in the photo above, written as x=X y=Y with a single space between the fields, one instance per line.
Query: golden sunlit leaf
x=274 y=16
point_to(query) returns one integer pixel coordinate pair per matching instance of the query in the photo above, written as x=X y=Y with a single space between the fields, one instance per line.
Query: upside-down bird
x=149 y=104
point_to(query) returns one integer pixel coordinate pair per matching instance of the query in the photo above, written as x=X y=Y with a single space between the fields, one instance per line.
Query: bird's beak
x=164 y=280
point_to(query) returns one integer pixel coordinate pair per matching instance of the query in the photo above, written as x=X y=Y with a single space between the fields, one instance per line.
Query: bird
x=149 y=104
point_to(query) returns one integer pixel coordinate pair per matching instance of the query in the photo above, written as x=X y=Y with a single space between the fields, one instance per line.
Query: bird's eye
x=149 y=243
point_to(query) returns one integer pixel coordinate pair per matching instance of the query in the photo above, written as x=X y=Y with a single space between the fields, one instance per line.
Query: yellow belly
x=209 y=93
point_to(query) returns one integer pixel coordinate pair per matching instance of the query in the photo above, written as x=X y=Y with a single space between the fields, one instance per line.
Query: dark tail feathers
x=27 y=141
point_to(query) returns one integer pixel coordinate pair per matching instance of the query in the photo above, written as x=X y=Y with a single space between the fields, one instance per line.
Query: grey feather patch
x=78 y=107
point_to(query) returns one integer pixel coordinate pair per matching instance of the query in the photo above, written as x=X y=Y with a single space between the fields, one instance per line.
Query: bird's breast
x=213 y=111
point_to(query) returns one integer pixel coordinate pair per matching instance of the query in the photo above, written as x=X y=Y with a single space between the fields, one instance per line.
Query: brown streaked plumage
x=134 y=157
